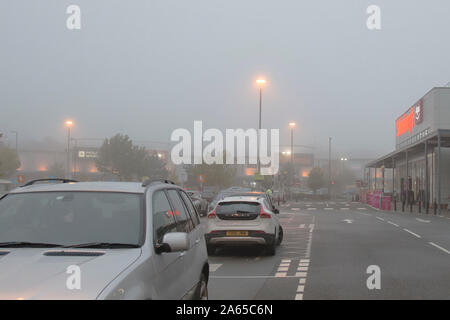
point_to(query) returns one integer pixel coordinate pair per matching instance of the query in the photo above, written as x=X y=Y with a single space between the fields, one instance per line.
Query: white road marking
x=299 y=296
x=312 y=209
x=414 y=234
x=348 y=220
x=300 y=288
x=362 y=208
x=345 y=208
x=328 y=208
x=254 y=277
x=394 y=224
x=421 y=220
x=283 y=269
x=301 y=226
x=303 y=264
x=280 y=274
x=214 y=266
x=302 y=281
x=302 y=269
x=304 y=260
x=286 y=260
x=311 y=226
x=380 y=218
x=295 y=209
x=439 y=247
x=301 y=274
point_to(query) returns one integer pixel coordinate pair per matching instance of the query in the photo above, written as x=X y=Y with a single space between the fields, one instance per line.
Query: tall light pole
x=69 y=124
x=292 y=126
x=329 y=166
x=260 y=83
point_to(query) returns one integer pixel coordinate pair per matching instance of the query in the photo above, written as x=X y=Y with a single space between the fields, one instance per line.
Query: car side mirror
x=173 y=242
x=276 y=211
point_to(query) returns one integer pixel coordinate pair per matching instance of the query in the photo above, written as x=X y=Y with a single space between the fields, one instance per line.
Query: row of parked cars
x=120 y=240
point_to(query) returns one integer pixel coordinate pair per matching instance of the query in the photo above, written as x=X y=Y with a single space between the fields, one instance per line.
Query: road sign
x=20 y=178
x=201 y=178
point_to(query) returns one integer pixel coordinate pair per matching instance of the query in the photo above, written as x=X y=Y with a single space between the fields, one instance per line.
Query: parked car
x=200 y=204
x=243 y=220
x=5 y=186
x=129 y=240
x=258 y=194
x=226 y=193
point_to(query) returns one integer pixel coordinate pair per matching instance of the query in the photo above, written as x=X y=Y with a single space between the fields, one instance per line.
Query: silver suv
x=101 y=240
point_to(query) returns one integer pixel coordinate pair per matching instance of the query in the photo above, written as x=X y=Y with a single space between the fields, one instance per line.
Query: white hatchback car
x=241 y=220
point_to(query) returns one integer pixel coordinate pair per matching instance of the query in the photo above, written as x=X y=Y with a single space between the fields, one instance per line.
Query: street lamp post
x=292 y=125
x=68 y=124
x=260 y=83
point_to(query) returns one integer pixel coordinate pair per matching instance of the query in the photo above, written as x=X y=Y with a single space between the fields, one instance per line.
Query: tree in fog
x=9 y=161
x=316 y=179
x=118 y=156
x=221 y=175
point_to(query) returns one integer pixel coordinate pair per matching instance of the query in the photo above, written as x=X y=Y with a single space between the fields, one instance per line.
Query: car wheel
x=202 y=289
x=211 y=249
x=270 y=249
x=280 y=236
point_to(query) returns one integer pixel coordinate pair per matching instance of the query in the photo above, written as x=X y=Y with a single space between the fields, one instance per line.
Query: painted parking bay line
x=214 y=266
x=439 y=247
x=414 y=234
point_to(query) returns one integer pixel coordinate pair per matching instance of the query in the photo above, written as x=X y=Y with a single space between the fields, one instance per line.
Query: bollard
x=395 y=205
x=420 y=207
x=403 y=206
x=435 y=207
x=410 y=207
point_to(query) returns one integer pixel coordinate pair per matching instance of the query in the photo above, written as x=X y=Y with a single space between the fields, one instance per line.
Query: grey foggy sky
x=145 y=68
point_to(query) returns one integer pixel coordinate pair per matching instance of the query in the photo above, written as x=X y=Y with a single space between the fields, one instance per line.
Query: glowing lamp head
x=292 y=124
x=68 y=123
x=260 y=82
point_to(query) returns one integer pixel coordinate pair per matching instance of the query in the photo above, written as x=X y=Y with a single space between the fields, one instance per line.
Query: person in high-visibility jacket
x=269 y=192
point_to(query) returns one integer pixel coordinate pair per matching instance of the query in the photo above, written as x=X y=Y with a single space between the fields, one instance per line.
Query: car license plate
x=237 y=233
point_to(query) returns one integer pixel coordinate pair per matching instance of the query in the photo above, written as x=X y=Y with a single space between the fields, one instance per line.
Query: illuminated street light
x=260 y=82
x=292 y=126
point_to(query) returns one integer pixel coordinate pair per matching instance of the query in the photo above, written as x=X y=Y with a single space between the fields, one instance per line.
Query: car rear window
x=250 y=207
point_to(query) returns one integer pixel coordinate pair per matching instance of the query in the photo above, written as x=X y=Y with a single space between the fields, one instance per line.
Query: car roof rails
x=62 y=180
x=148 y=182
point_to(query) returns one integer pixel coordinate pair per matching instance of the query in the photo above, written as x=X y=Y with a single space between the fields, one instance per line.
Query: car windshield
x=71 y=218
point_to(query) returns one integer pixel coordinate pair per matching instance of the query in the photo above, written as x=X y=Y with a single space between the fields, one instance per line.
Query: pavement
x=329 y=251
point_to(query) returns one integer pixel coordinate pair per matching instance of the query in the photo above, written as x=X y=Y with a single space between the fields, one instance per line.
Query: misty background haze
x=145 y=68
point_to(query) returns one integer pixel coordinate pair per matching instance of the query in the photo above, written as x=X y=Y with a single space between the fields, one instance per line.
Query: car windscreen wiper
x=26 y=244
x=107 y=245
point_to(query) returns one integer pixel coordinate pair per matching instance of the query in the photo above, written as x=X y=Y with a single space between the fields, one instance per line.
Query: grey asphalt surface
x=327 y=249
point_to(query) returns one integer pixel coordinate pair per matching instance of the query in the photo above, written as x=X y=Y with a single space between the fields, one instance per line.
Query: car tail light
x=212 y=214
x=263 y=214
